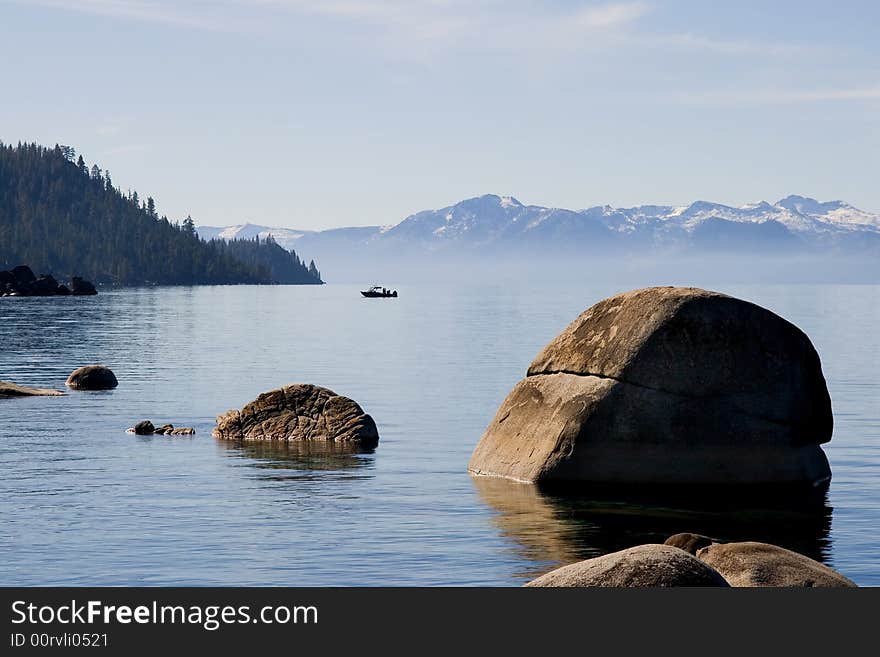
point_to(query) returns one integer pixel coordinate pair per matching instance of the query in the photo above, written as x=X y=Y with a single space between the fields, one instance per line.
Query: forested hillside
x=58 y=216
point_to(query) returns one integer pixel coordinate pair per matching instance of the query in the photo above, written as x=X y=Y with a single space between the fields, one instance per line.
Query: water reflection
x=551 y=528
x=283 y=461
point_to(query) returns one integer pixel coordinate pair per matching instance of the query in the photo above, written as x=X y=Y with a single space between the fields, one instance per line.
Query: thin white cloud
x=689 y=41
x=779 y=96
x=431 y=18
x=493 y=24
x=610 y=15
x=185 y=14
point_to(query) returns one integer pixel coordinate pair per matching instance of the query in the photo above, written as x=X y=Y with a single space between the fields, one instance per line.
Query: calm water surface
x=85 y=503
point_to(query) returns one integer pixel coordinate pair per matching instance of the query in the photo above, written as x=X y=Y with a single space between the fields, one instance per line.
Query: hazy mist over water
x=86 y=503
x=616 y=271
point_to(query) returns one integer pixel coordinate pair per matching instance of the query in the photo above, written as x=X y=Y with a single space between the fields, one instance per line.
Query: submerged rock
x=8 y=389
x=300 y=412
x=92 y=377
x=666 y=385
x=640 y=566
x=761 y=564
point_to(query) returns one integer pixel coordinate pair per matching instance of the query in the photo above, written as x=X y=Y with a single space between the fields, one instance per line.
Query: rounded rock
x=641 y=566
x=300 y=412
x=92 y=377
x=666 y=386
x=752 y=564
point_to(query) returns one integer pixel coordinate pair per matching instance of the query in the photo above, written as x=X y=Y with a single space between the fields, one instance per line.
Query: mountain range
x=492 y=225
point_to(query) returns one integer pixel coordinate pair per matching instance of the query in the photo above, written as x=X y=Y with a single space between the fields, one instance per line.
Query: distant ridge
x=498 y=224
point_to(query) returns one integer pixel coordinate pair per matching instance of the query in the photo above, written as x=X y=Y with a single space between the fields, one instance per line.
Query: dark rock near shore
x=666 y=386
x=300 y=412
x=640 y=566
x=761 y=564
x=689 y=542
x=92 y=377
x=21 y=282
x=23 y=275
x=80 y=287
x=8 y=389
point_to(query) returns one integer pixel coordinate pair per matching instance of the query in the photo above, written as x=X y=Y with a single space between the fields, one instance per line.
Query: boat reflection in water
x=555 y=527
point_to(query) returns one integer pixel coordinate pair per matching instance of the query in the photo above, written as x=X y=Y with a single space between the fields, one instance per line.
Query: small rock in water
x=144 y=428
x=689 y=542
x=80 y=287
x=92 y=377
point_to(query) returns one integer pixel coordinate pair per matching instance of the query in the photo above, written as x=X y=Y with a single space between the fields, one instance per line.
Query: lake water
x=85 y=503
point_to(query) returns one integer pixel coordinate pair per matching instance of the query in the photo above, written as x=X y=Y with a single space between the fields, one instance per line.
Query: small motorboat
x=377 y=291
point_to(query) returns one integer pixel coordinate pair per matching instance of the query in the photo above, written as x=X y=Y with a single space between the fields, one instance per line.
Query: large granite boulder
x=666 y=385
x=300 y=412
x=92 y=377
x=8 y=389
x=640 y=566
x=761 y=564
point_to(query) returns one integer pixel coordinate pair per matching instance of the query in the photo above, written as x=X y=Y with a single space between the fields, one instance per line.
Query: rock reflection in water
x=286 y=460
x=551 y=528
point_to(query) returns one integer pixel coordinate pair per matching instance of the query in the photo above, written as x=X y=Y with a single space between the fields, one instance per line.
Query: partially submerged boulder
x=92 y=377
x=640 y=566
x=666 y=385
x=300 y=412
x=8 y=389
x=761 y=564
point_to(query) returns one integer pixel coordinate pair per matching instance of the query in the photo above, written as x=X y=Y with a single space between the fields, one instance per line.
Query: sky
x=356 y=112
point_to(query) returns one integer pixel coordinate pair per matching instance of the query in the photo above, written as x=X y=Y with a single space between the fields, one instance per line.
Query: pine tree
x=54 y=218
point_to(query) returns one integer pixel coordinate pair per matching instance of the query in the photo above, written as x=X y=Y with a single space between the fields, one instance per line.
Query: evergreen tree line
x=60 y=217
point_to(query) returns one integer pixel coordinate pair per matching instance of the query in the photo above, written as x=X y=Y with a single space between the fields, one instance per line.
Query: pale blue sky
x=346 y=112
